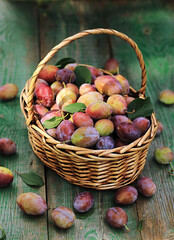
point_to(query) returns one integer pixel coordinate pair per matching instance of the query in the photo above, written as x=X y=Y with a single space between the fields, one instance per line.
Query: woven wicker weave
x=98 y=169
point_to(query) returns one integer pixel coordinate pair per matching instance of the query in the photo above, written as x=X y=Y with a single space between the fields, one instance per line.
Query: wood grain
x=27 y=32
x=18 y=56
x=153 y=28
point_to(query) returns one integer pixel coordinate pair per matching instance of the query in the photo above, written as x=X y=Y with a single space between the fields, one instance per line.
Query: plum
x=7 y=146
x=73 y=88
x=124 y=83
x=8 y=91
x=48 y=73
x=159 y=128
x=38 y=82
x=142 y=124
x=52 y=132
x=126 y=195
x=146 y=186
x=116 y=217
x=81 y=119
x=40 y=110
x=98 y=110
x=90 y=97
x=31 y=203
x=166 y=96
x=128 y=132
x=65 y=76
x=6 y=177
x=71 y=66
x=95 y=71
x=55 y=107
x=65 y=130
x=106 y=142
x=105 y=127
x=117 y=119
x=112 y=65
x=129 y=99
x=86 y=87
x=56 y=87
x=108 y=85
x=44 y=95
x=85 y=137
x=164 y=155
x=83 y=202
x=63 y=217
x=118 y=104
x=65 y=95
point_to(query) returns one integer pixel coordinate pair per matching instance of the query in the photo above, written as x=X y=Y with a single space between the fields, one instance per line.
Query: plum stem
x=130 y=112
x=126 y=227
x=50 y=208
x=64 y=85
x=172 y=169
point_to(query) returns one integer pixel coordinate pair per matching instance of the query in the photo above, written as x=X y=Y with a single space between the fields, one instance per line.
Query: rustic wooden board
x=18 y=56
x=151 y=29
x=27 y=32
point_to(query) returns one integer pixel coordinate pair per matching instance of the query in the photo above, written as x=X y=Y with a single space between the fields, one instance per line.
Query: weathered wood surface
x=27 y=32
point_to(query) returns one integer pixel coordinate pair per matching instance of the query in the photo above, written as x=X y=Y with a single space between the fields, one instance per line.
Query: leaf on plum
x=74 y=107
x=64 y=61
x=83 y=75
x=31 y=179
x=139 y=108
x=52 y=122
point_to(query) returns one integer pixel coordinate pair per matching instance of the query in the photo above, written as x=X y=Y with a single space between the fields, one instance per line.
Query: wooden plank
x=18 y=57
x=152 y=30
x=56 y=25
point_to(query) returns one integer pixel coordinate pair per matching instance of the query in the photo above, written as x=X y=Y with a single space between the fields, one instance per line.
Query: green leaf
x=3 y=236
x=74 y=107
x=139 y=108
x=140 y=225
x=31 y=179
x=83 y=75
x=64 y=61
x=52 y=122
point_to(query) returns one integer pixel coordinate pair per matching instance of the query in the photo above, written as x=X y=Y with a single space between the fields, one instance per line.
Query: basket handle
x=69 y=40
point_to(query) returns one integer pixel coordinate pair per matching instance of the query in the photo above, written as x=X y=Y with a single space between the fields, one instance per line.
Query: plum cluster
x=116 y=216
x=63 y=217
x=103 y=124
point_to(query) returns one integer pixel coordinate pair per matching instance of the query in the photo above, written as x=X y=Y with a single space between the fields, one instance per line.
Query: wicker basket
x=98 y=169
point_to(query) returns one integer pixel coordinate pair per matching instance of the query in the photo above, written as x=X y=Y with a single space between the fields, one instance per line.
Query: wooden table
x=28 y=30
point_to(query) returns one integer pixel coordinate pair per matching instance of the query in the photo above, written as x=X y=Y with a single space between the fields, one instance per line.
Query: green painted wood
x=18 y=56
x=151 y=26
